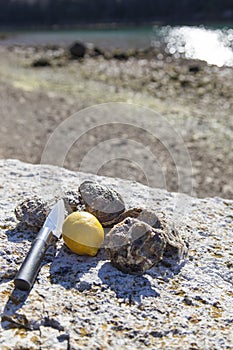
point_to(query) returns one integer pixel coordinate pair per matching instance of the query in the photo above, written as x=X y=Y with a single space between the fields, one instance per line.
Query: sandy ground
x=195 y=99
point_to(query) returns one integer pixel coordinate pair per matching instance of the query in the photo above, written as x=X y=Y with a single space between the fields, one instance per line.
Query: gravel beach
x=196 y=99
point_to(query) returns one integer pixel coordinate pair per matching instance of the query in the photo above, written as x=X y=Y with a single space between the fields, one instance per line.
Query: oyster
x=101 y=201
x=147 y=216
x=134 y=246
x=176 y=248
x=73 y=201
x=32 y=211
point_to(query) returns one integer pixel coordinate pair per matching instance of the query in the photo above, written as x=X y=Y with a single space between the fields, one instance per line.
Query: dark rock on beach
x=78 y=50
x=41 y=62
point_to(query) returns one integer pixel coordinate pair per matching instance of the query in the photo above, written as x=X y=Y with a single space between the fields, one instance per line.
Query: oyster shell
x=176 y=248
x=32 y=211
x=73 y=201
x=147 y=216
x=101 y=201
x=134 y=246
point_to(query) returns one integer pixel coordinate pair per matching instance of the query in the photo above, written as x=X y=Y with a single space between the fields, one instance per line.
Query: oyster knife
x=51 y=230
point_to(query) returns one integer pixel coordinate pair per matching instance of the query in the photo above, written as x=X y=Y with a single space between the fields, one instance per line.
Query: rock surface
x=85 y=303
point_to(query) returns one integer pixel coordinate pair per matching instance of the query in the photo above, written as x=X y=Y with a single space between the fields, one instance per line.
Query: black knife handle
x=29 y=269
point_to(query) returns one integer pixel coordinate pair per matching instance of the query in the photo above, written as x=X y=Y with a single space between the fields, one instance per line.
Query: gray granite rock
x=85 y=303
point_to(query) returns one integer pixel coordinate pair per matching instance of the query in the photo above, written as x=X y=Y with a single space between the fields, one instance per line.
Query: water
x=111 y=38
x=213 y=45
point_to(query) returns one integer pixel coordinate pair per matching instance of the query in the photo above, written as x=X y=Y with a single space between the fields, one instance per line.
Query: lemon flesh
x=82 y=233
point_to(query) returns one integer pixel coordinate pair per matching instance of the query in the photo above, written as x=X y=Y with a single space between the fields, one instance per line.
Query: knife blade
x=50 y=231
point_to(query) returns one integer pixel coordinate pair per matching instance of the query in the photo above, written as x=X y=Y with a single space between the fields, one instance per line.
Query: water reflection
x=212 y=46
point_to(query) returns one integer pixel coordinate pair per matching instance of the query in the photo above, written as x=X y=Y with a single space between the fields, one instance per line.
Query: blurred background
x=73 y=12
x=58 y=57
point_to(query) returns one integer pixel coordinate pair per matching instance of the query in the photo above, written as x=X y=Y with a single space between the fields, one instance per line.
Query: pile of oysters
x=136 y=239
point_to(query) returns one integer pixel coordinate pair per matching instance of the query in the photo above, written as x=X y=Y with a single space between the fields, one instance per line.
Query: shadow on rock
x=10 y=319
x=68 y=268
x=84 y=273
x=131 y=288
x=12 y=256
x=167 y=269
x=21 y=232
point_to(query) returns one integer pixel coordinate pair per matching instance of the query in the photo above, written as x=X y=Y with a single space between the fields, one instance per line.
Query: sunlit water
x=214 y=46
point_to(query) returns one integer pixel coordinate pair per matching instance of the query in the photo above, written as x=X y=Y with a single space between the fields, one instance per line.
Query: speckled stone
x=85 y=303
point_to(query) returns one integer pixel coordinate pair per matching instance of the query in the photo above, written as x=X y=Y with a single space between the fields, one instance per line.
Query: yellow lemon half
x=83 y=233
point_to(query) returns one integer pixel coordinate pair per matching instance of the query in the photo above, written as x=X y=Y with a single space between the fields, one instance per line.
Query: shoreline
x=196 y=99
x=178 y=42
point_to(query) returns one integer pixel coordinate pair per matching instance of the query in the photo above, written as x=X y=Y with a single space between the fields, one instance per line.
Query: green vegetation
x=3 y=36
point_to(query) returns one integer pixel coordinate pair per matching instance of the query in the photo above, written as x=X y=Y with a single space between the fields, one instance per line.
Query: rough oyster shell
x=73 y=201
x=134 y=246
x=32 y=211
x=147 y=216
x=101 y=201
